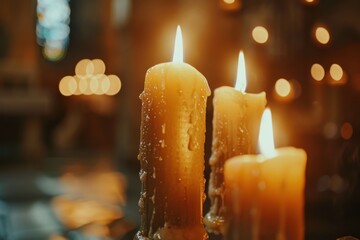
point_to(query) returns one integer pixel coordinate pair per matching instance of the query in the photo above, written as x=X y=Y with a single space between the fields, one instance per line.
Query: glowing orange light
x=114 y=86
x=77 y=90
x=260 y=34
x=282 y=87
x=311 y=2
x=81 y=66
x=72 y=84
x=346 y=131
x=322 y=35
x=105 y=84
x=99 y=66
x=317 y=72
x=83 y=85
x=90 y=79
x=100 y=88
x=230 y=5
x=94 y=84
x=66 y=86
x=336 y=72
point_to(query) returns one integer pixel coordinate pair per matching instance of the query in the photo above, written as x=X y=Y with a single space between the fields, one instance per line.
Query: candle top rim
x=288 y=151
x=171 y=66
x=230 y=88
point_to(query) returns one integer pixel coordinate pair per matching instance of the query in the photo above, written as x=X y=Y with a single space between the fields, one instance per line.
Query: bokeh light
x=346 y=131
x=77 y=90
x=83 y=85
x=322 y=35
x=94 y=84
x=52 y=27
x=72 y=85
x=114 y=86
x=287 y=90
x=310 y=2
x=260 y=34
x=230 y=5
x=330 y=130
x=99 y=66
x=336 y=72
x=105 y=84
x=80 y=69
x=336 y=76
x=317 y=72
x=282 y=87
x=66 y=86
x=90 y=79
x=53 y=53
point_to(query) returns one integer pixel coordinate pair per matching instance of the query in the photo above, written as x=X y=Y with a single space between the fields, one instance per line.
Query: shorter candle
x=264 y=193
x=236 y=122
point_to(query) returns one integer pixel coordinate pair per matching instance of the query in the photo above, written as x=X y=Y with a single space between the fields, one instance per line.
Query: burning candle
x=235 y=129
x=264 y=193
x=172 y=150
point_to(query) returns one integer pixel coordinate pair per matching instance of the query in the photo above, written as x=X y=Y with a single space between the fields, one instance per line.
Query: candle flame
x=241 y=74
x=178 y=48
x=266 y=136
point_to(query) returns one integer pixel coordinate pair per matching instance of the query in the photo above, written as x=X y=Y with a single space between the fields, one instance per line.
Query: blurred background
x=68 y=149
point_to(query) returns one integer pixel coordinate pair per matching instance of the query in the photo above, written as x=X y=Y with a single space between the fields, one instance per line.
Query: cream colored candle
x=235 y=129
x=264 y=196
x=172 y=151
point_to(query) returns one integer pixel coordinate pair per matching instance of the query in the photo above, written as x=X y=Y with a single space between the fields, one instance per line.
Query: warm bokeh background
x=68 y=164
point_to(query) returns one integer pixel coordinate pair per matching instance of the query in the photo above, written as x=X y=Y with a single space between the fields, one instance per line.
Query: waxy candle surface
x=236 y=123
x=265 y=196
x=172 y=153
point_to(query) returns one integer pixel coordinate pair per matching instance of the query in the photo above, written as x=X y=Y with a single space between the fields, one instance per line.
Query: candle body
x=264 y=197
x=171 y=153
x=236 y=124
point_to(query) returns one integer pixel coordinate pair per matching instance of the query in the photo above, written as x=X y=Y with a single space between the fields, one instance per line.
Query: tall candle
x=235 y=129
x=264 y=193
x=172 y=151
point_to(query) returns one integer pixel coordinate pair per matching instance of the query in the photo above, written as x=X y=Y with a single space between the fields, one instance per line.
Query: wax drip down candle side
x=236 y=123
x=171 y=151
